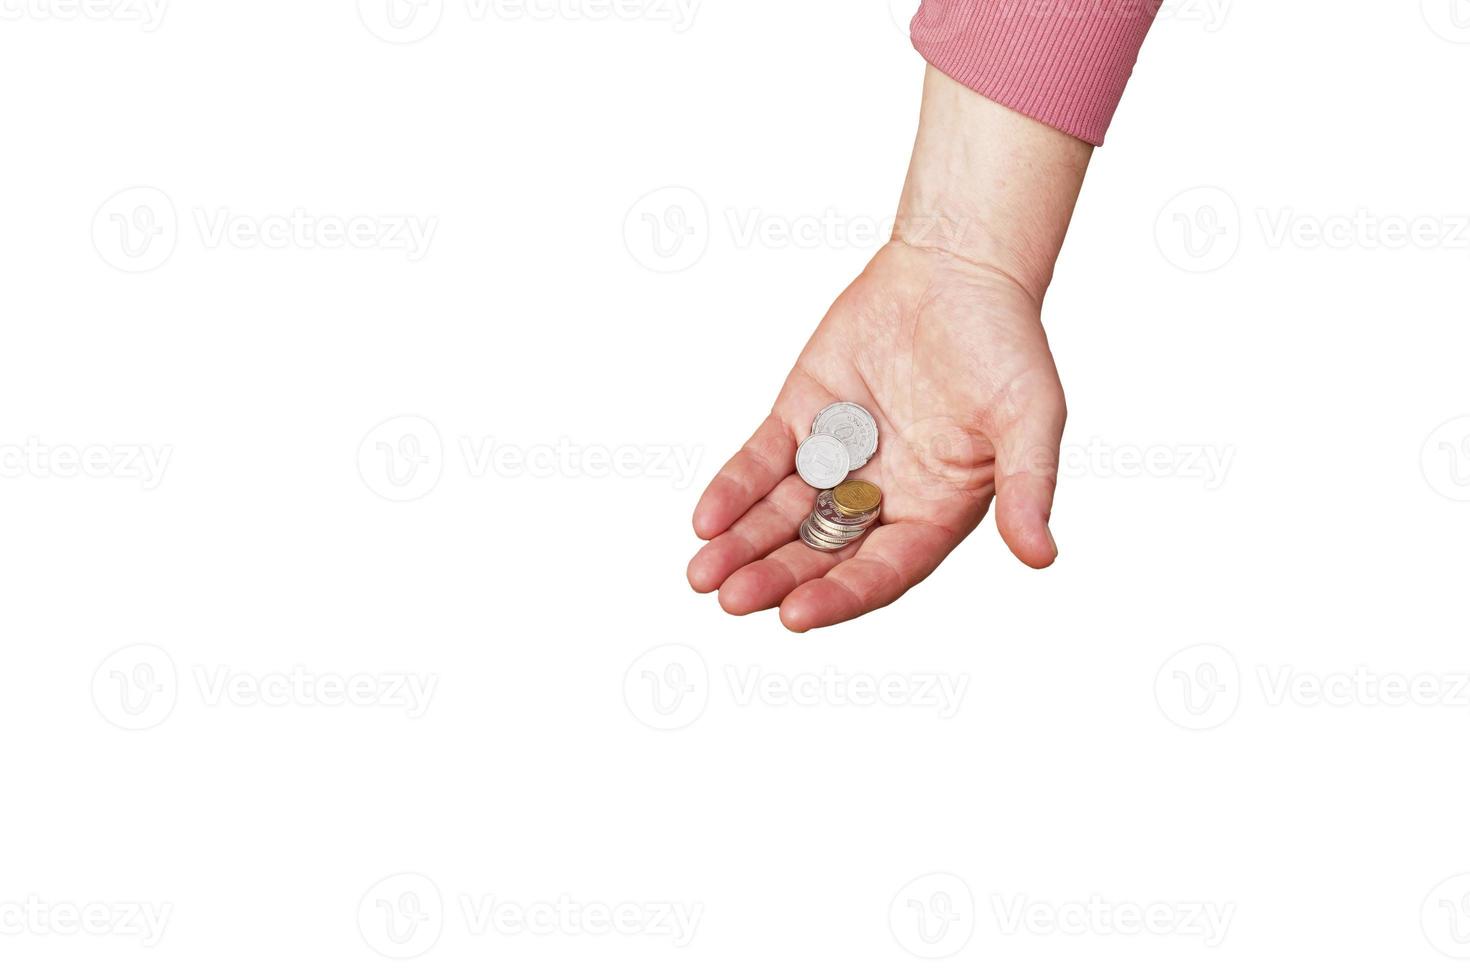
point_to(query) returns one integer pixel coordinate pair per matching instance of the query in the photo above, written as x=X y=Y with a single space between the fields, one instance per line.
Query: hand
x=951 y=359
x=940 y=339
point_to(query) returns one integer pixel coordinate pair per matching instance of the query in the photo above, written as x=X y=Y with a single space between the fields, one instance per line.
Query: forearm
x=990 y=185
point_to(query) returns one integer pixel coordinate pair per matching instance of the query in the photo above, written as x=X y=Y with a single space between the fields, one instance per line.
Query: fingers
x=769 y=524
x=891 y=560
x=1026 y=478
x=763 y=584
x=766 y=458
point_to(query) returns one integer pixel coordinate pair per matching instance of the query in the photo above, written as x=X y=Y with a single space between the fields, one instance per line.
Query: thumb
x=1026 y=460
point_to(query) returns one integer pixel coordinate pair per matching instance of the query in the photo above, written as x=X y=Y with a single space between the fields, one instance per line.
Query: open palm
x=951 y=360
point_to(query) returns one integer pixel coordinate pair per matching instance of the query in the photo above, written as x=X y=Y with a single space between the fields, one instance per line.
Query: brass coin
x=855 y=497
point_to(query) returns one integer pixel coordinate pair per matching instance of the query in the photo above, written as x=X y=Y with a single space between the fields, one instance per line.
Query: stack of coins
x=841 y=515
x=844 y=437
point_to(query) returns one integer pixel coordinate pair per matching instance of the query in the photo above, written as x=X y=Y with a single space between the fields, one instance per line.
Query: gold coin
x=856 y=497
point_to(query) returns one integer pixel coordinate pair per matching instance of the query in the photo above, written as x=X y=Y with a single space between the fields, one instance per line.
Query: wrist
x=989 y=185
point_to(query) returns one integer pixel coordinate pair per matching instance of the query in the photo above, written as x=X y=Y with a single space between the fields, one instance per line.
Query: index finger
x=767 y=458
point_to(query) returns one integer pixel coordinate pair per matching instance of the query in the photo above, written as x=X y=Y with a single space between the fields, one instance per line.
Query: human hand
x=940 y=338
x=951 y=360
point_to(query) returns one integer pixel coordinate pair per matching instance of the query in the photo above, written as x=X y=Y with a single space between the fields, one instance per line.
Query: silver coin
x=812 y=539
x=852 y=424
x=822 y=461
x=836 y=533
x=839 y=524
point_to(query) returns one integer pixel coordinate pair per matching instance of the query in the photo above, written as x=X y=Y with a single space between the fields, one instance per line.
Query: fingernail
x=1053 y=541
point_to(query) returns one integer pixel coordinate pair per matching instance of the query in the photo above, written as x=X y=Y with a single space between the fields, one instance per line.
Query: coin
x=852 y=424
x=823 y=461
x=829 y=512
x=855 y=497
x=821 y=542
x=834 y=529
x=829 y=528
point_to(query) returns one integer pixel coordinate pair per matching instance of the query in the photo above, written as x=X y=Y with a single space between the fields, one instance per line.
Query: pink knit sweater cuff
x=1062 y=62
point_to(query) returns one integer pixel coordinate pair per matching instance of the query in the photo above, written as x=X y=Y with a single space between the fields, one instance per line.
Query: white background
x=1140 y=729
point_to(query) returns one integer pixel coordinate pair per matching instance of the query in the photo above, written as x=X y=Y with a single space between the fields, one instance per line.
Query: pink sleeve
x=1061 y=62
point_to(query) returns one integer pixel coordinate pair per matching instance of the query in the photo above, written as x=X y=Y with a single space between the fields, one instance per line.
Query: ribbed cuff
x=1061 y=62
